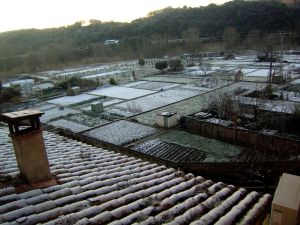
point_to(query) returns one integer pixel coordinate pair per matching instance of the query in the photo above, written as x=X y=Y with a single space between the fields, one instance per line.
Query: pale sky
x=23 y=14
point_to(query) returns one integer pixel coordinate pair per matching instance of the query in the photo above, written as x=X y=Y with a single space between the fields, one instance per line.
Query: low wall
x=269 y=144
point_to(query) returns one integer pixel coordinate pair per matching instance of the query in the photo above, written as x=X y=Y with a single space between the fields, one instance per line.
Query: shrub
x=141 y=62
x=161 y=65
x=9 y=93
x=112 y=81
x=175 y=65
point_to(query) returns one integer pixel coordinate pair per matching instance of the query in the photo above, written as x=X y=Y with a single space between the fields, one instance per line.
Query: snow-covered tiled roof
x=96 y=186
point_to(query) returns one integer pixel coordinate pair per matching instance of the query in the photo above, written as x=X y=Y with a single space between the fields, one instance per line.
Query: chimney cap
x=20 y=115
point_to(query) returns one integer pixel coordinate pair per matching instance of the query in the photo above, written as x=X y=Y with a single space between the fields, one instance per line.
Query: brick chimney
x=26 y=135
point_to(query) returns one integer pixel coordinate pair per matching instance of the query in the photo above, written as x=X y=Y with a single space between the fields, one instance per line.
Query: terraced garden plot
x=121 y=92
x=151 y=102
x=169 y=151
x=87 y=107
x=69 y=125
x=120 y=132
x=193 y=105
x=216 y=151
x=71 y=100
x=87 y=120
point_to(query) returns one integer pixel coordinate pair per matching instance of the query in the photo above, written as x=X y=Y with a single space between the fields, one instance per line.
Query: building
x=111 y=42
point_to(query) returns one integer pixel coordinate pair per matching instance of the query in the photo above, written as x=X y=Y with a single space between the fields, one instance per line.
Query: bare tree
x=205 y=66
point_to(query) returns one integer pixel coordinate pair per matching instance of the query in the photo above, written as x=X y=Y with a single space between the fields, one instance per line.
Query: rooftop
x=96 y=186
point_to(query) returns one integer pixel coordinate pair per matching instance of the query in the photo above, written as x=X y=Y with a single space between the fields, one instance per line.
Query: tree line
x=234 y=25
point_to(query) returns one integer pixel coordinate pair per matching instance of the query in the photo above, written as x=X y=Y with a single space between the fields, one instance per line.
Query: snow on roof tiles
x=97 y=186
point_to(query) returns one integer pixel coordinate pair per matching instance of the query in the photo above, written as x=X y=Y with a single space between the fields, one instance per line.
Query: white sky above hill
x=23 y=14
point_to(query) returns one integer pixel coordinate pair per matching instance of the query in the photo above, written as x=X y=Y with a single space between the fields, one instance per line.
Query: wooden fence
x=270 y=144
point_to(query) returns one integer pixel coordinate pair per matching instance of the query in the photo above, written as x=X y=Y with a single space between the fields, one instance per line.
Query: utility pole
x=271 y=65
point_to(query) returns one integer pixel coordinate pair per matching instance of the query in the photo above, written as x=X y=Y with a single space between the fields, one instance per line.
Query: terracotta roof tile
x=97 y=186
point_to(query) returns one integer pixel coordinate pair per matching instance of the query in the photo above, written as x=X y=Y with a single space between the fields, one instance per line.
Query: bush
x=161 y=65
x=9 y=93
x=141 y=62
x=175 y=65
x=84 y=84
x=112 y=81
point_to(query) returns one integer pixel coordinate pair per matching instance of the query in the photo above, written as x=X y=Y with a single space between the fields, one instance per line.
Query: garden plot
x=155 y=86
x=121 y=92
x=170 y=151
x=71 y=100
x=196 y=87
x=170 y=79
x=56 y=113
x=87 y=107
x=121 y=132
x=87 y=120
x=43 y=106
x=257 y=75
x=68 y=125
x=195 y=104
x=151 y=102
x=297 y=81
x=132 y=84
x=104 y=74
x=216 y=151
x=200 y=72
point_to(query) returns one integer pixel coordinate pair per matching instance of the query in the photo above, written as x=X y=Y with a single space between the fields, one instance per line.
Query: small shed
x=97 y=107
x=285 y=205
x=75 y=90
x=167 y=119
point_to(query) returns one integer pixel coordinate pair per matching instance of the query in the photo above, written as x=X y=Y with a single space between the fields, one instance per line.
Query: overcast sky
x=22 y=14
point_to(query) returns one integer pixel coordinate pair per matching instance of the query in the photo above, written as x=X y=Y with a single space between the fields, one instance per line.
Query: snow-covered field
x=68 y=125
x=155 y=86
x=70 y=100
x=151 y=102
x=55 y=113
x=121 y=132
x=121 y=92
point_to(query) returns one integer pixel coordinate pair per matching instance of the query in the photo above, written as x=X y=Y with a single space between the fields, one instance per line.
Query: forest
x=235 y=25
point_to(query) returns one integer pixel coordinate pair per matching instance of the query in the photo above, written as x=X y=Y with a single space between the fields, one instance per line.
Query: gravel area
x=121 y=132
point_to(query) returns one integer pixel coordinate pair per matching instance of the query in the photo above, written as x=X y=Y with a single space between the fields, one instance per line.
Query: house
x=97 y=186
x=111 y=42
